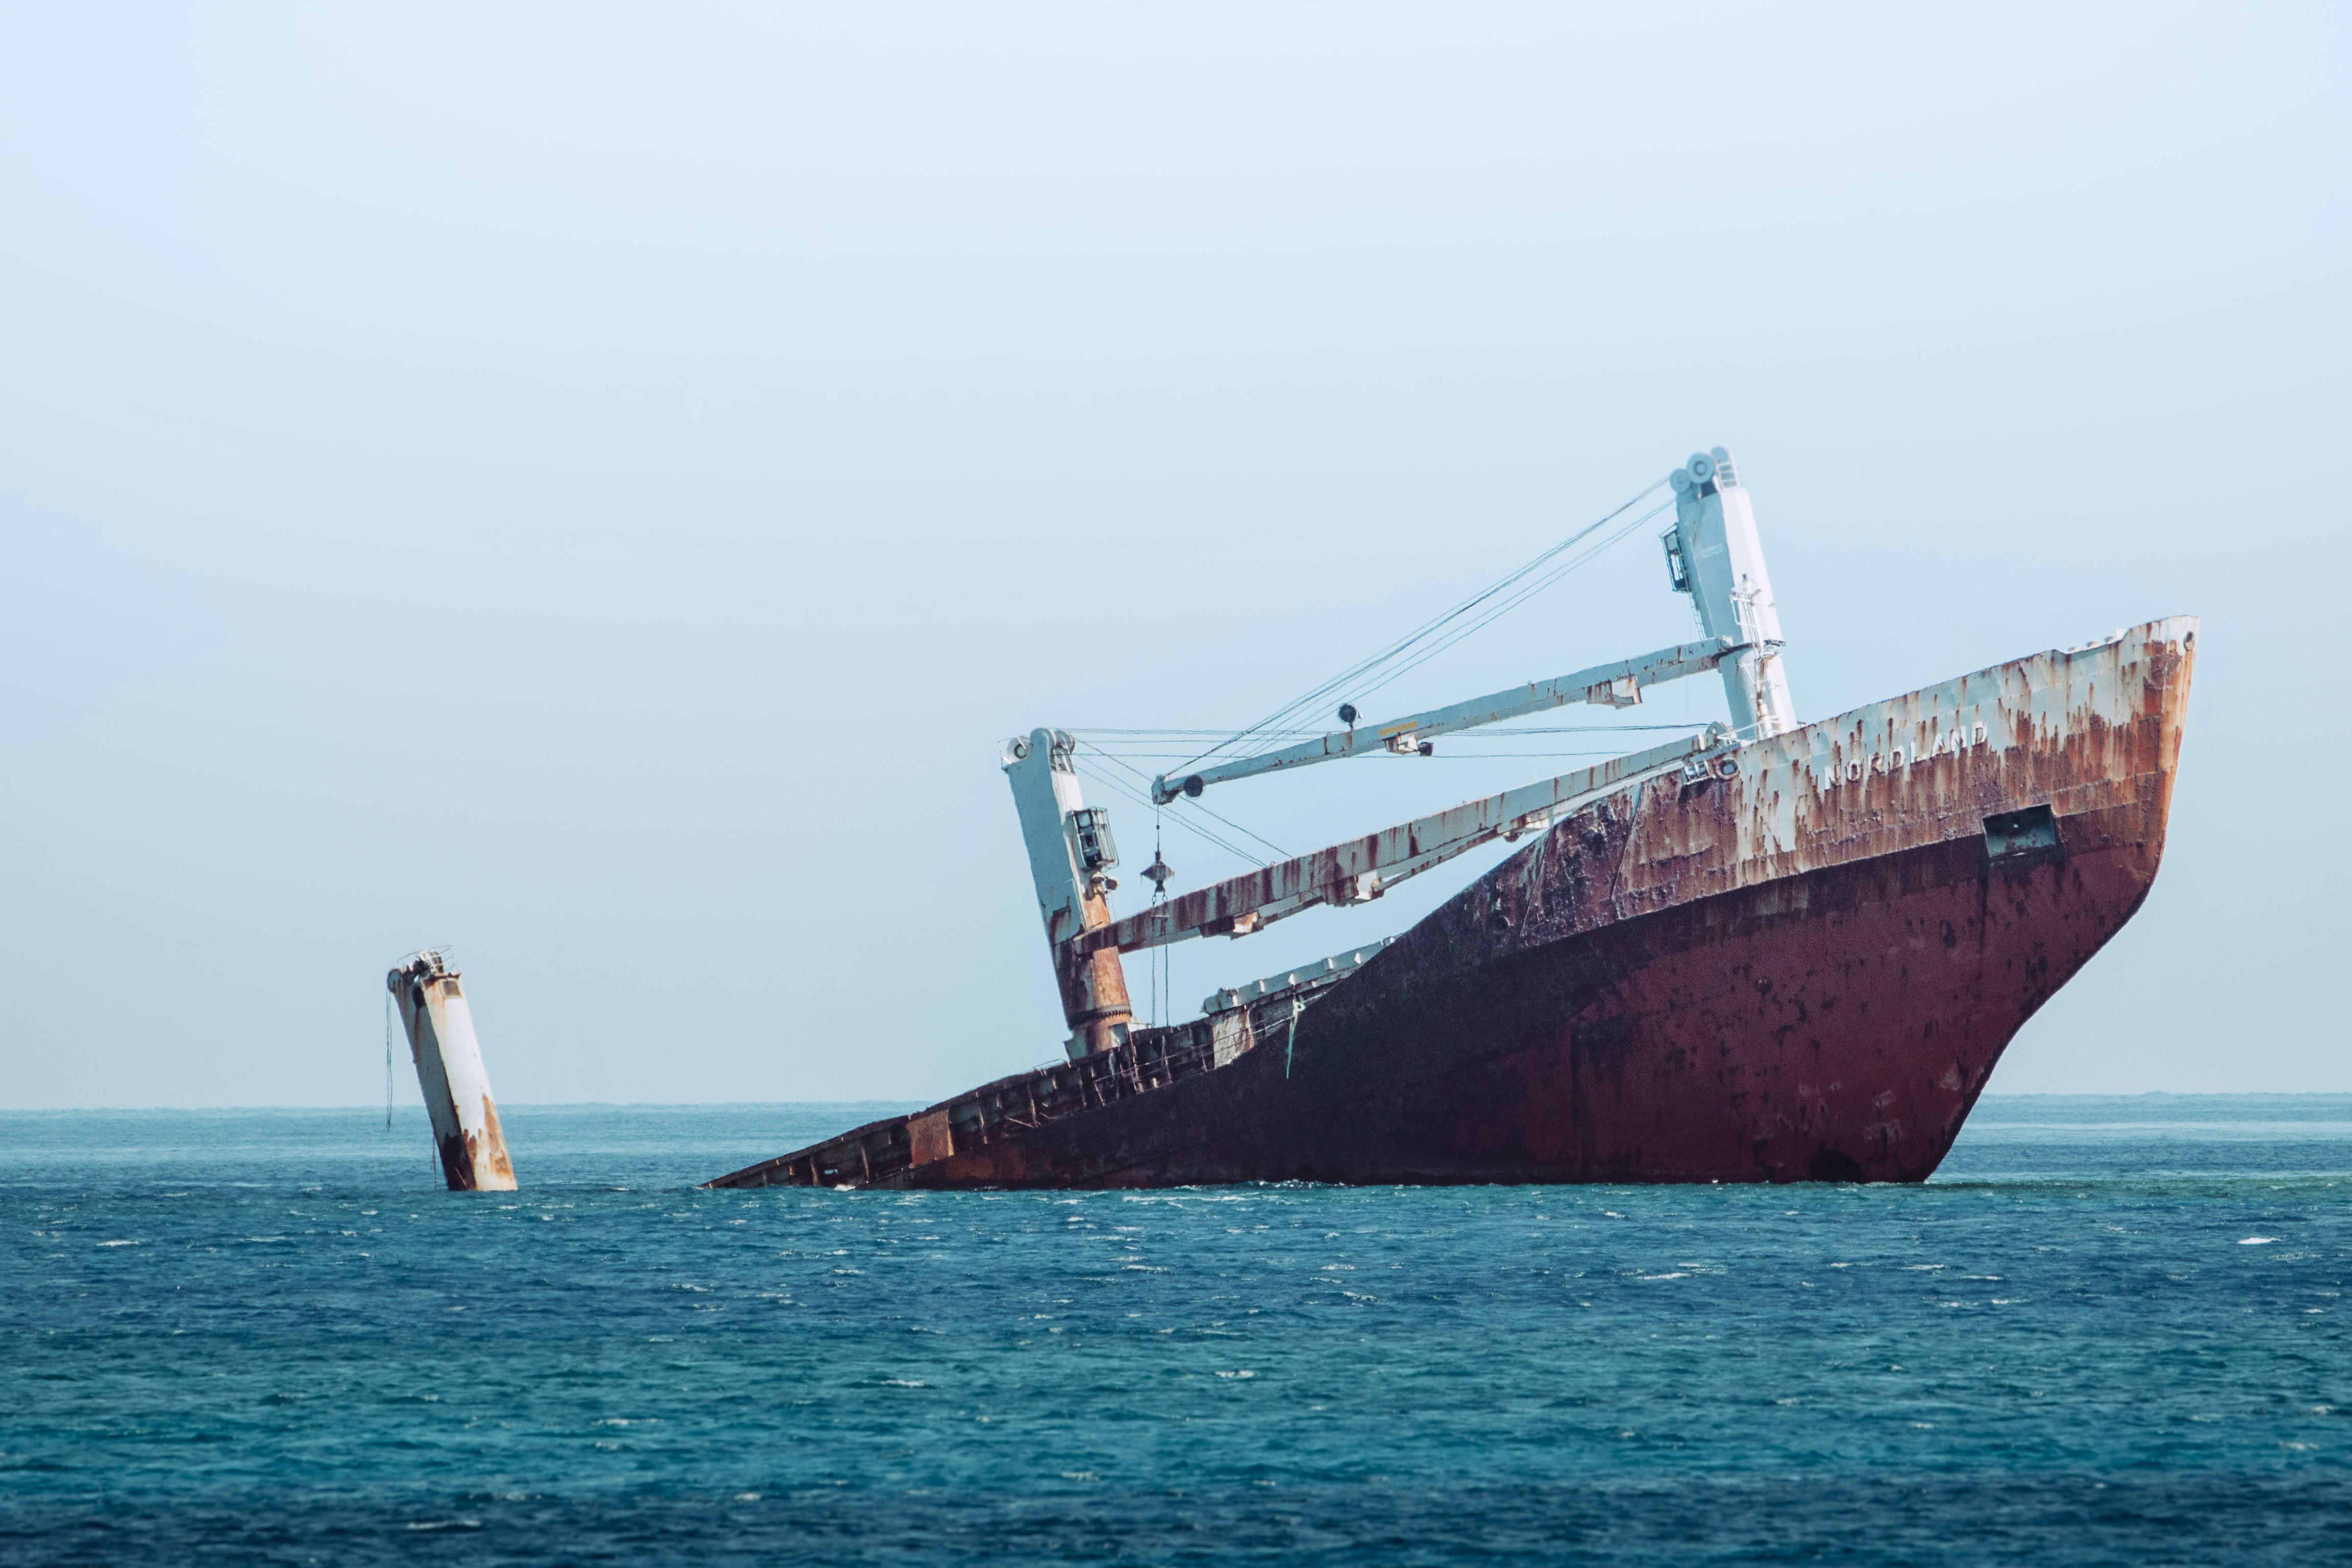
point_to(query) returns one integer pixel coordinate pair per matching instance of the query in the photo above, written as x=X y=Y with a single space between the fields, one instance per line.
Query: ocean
x=2110 y=1330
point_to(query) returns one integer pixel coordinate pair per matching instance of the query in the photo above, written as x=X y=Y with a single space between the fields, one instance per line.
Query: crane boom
x=1362 y=869
x=1712 y=554
x=1613 y=685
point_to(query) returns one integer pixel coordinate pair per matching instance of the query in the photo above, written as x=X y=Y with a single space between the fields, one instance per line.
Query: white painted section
x=1733 y=591
x=1229 y=1037
x=2001 y=719
x=450 y=1070
x=1045 y=792
x=1329 y=969
x=2040 y=700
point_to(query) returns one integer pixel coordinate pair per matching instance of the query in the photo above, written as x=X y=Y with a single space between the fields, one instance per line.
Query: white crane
x=1713 y=553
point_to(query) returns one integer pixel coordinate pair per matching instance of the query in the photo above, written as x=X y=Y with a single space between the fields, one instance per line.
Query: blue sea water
x=2111 y=1331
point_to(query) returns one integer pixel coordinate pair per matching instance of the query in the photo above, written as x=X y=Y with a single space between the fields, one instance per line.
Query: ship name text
x=1948 y=743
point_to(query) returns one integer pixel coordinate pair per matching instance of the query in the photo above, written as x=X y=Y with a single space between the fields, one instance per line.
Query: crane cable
x=1364 y=668
x=1196 y=805
x=1514 y=602
x=1159 y=974
x=1119 y=788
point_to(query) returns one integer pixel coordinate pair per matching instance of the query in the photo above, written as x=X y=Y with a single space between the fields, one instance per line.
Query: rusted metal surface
x=1804 y=971
x=456 y=1089
x=890 y=1152
x=1094 y=986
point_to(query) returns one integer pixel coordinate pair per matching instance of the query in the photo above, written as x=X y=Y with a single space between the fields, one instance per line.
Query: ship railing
x=1150 y=1059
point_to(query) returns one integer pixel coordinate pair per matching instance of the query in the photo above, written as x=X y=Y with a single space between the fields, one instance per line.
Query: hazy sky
x=593 y=485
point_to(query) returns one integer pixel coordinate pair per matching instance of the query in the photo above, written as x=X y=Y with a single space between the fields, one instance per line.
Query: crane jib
x=1362 y=869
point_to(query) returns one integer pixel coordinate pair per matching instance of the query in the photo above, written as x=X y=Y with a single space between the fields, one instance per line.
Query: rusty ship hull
x=1804 y=971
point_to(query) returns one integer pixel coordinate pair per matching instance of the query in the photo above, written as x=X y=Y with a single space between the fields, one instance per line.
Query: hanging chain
x=1158 y=897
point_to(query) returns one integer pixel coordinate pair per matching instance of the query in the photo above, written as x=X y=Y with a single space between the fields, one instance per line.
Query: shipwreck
x=1769 y=951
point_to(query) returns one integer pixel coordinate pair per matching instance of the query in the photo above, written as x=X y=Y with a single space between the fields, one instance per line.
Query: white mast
x=1719 y=562
x=1070 y=856
x=450 y=1070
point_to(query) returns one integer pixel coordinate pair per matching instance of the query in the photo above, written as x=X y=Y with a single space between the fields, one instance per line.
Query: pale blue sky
x=593 y=485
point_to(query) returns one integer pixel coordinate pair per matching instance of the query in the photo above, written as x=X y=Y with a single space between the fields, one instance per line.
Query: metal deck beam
x=1361 y=869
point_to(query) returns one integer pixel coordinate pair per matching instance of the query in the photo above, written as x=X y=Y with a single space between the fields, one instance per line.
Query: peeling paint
x=449 y=1072
x=1802 y=971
